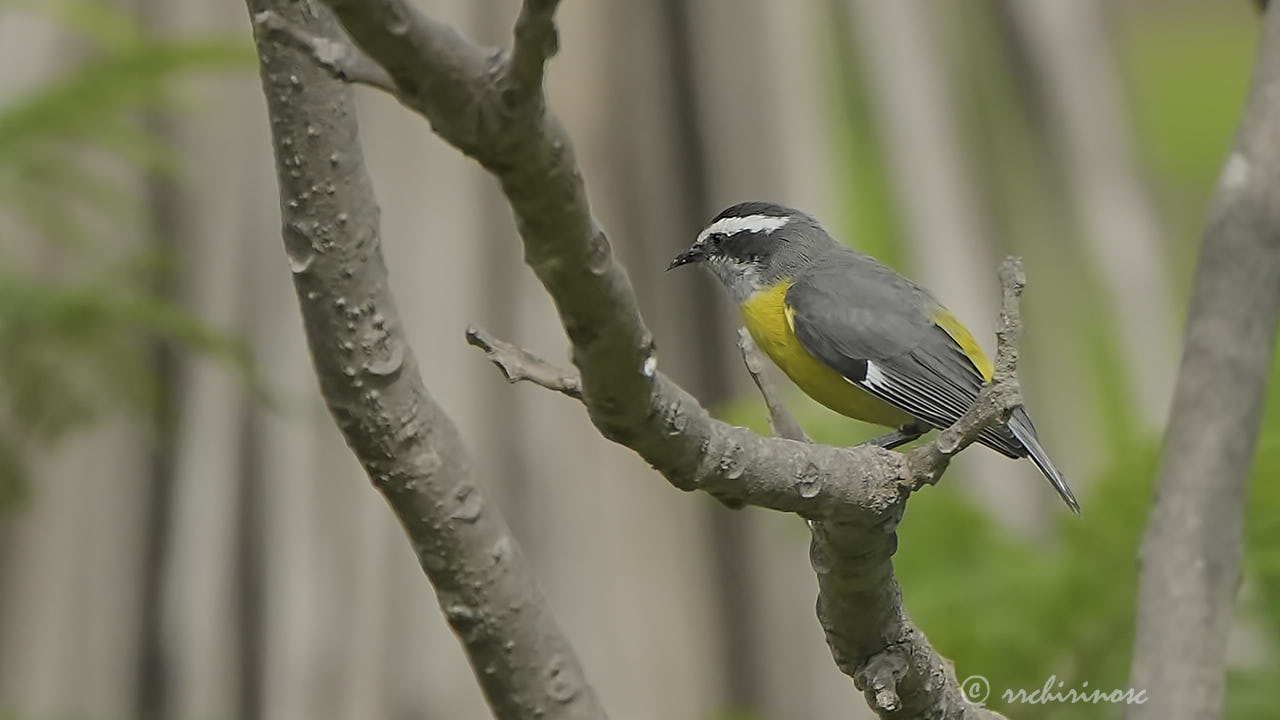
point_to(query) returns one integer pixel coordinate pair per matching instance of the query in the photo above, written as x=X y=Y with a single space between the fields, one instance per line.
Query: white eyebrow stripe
x=746 y=223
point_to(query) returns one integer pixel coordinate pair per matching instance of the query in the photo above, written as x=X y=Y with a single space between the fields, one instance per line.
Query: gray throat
x=741 y=280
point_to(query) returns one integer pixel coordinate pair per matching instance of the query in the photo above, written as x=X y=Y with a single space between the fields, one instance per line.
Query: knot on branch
x=878 y=677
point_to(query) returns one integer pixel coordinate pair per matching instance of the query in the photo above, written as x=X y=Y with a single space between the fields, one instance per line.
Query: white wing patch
x=746 y=223
x=875 y=378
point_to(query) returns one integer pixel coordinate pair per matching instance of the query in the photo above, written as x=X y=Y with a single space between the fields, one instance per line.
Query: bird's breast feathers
x=769 y=320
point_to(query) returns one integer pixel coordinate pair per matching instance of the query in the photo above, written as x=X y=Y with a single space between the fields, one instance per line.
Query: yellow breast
x=766 y=317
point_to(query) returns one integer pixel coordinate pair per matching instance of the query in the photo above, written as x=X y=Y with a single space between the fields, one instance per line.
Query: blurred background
x=184 y=535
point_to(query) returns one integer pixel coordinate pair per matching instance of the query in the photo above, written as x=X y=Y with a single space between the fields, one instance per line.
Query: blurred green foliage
x=1188 y=74
x=80 y=308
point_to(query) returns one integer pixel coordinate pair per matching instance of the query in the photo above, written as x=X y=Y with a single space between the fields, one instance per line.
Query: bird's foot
x=899 y=437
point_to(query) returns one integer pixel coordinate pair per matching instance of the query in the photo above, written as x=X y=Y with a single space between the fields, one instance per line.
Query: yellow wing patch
x=972 y=350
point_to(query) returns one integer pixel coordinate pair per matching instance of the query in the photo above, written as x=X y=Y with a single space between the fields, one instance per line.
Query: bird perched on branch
x=853 y=334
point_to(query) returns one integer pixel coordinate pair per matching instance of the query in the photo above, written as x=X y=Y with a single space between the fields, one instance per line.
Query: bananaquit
x=853 y=334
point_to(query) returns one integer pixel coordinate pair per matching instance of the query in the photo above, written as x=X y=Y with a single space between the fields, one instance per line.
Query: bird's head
x=752 y=246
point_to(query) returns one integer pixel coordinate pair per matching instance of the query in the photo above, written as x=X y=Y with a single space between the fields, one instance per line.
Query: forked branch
x=490 y=105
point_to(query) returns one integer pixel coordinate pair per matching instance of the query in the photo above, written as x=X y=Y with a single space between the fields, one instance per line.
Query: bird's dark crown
x=754 y=207
x=748 y=231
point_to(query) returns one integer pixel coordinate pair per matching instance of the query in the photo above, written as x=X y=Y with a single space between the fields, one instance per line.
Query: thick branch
x=535 y=41
x=1190 y=569
x=436 y=71
x=489 y=105
x=370 y=381
x=859 y=602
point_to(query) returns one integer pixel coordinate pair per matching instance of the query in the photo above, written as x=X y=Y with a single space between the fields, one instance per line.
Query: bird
x=853 y=334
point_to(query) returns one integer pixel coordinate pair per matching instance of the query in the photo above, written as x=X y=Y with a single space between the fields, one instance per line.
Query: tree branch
x=535 y=41
x=342 y=59
x=370 y=382
x=516 y=364
x=490 y=105
x=859 y=602
x=1190 y=555
x=928 y=462
x=844 y=558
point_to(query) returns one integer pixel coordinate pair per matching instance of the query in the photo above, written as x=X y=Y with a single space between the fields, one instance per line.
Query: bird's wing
x=889 y=338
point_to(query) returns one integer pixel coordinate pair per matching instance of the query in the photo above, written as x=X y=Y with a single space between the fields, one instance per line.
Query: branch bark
x=489 y=104
x=370 y=382
x=1190 y=556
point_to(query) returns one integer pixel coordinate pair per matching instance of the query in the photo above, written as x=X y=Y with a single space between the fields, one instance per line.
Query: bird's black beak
x=692 y=255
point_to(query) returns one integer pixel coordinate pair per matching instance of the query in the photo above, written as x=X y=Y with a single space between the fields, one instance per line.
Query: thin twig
x=781 y=421
x=517 y=364
x=1009 y=331
x=995 y=401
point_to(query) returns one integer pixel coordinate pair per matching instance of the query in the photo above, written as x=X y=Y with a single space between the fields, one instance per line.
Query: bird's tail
x=1022 y=429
